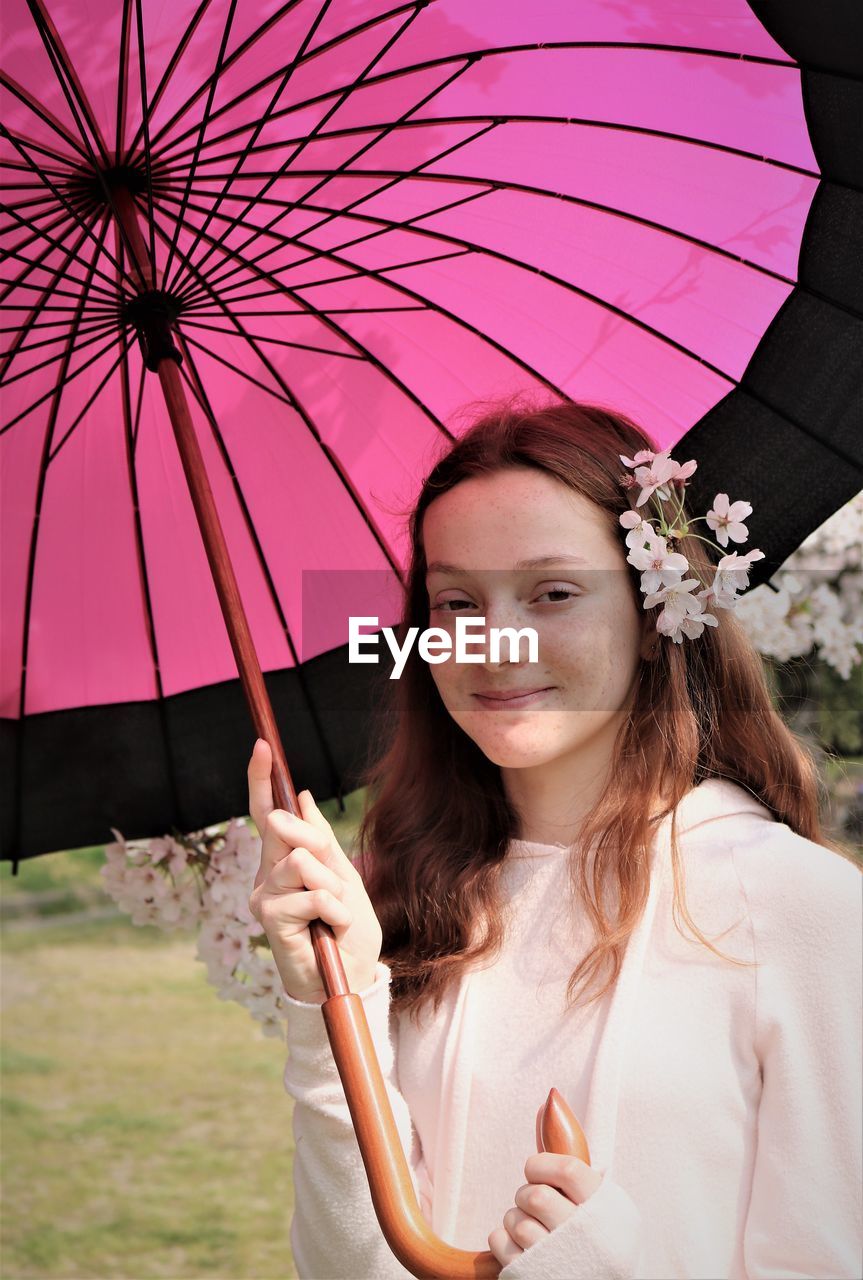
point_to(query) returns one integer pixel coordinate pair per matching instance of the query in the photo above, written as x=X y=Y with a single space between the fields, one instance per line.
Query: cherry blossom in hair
x=656 y=551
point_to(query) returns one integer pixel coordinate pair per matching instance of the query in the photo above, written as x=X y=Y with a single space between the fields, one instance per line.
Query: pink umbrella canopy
x=363 y=216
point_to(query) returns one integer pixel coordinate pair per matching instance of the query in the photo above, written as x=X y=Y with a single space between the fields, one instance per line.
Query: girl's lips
x=511 y=704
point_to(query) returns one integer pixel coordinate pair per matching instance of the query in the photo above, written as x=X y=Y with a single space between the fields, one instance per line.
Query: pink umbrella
x=324 y=227
x=362 y=216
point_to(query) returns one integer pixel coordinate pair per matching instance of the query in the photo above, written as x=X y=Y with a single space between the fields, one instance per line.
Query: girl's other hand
x=556 y=1185
x=305 y=875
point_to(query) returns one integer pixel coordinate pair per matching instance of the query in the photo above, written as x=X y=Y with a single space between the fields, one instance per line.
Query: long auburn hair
x=437 y=824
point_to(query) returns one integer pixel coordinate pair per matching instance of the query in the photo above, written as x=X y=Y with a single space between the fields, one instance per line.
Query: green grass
x=145 y=1129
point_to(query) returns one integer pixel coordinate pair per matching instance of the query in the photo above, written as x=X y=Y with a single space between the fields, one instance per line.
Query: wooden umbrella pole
x=392 y=1190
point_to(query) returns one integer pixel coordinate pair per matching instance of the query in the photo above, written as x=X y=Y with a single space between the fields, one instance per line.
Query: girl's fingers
x=524 y=1229
x=334 y=854
x=503 y=1246
x=548 y=1206
x=575 y=1179
x=318 y=904
x=300 y=869
x=260 y=786
x=313 y=832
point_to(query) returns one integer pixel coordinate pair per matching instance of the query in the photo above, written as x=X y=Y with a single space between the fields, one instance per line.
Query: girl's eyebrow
x=539 y=562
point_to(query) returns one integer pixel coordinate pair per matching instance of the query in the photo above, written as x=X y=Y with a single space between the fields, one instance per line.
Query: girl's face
x=580 y=603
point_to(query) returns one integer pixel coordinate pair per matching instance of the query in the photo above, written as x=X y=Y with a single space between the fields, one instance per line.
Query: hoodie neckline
x=710 y=799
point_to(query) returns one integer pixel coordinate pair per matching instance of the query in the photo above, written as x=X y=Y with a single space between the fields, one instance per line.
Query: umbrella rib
x=44 y=150
x=139 y=405
x=305 y=417
x=145 y=122
x=180 y=49
x=24 y=329
x=453 y=204
x=54 y=393
x=521 y=118
x=93 y=397
x=253 y=39
x=407 y=224
x=259 y=125
x=262 y=337
x=68 y=279
x=16 y=185
x=37 y=261
x=470 y=246
x=357 y=154
x=60 y=59
x=43 y=324
x=475 y=55
x=38 y=200
x=7 y=426
x=52 y=43
x=101 y=325
x=57 y=244
x=4 y=132
x=49 y=360
x=321 y=314
x=313 y=133
x=202 y=128
x=241 y=373
x=325 y=319
x=497 y=184
x=267 y=228
x=294 y=404
x=400 y=288
x=192 y=299
x=48 y=306
x=17 y=167
x=123 y=78
x=196 y=386
x=44 y=115
x=143 y=573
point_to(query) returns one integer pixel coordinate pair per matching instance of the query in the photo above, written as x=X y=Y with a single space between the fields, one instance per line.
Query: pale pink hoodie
x=721 y=1103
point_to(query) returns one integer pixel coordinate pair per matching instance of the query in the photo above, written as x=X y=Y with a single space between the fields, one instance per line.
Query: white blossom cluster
x=204 y=881
x=819 y=602
x=685 y=601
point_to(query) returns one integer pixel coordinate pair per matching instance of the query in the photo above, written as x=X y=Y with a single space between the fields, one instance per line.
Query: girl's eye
x=443 y=605
x=558 y=591
x=558 y=595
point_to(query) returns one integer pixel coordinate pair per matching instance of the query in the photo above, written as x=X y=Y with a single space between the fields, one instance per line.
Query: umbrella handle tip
x=558 y=1130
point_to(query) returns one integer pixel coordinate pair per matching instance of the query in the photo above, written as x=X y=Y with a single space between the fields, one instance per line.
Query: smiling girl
x=602 y=871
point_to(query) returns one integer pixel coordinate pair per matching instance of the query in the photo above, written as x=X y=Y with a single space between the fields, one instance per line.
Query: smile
x=506 y=702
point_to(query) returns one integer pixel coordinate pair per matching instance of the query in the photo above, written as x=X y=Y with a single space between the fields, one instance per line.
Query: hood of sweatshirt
x=713 y=801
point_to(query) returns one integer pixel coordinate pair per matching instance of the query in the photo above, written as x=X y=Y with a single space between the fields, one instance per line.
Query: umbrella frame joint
x=152 y=314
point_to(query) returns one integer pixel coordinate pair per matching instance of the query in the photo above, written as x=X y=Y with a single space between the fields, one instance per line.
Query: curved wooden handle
x=393 y=1196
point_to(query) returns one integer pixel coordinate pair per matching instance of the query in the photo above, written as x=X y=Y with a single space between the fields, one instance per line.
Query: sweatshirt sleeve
x=335 y=1233
x=804 y=1214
